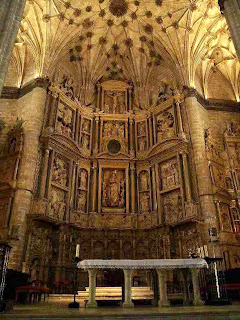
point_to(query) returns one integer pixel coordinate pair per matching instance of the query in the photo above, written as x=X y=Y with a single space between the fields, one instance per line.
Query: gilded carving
x=113 y=189
x=58 y=199
x=165 y=125
x=172 y=206
x=64 y=120
x=60 y=173
x=169 y=174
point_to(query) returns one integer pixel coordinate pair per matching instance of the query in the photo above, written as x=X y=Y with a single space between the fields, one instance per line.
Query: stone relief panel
x=142 y=142
x=144 y=191
x=172 y=206
x=218 y=175
x=58 y=203
x=64 y=121
x=59 y=188
x=82 y=190
x=114 y=102
x=60 y=171
x=225 y=217
x=113 y=137
x=113 y=189
x=169 y=174
x=166 y=125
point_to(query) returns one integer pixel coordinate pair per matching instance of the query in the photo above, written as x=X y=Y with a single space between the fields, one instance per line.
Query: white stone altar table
x=128 y=266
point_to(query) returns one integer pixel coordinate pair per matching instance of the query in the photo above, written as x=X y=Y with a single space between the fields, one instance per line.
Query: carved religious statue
x=113 y=190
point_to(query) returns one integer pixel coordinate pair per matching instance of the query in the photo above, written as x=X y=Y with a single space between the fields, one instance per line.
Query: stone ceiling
x=144 y=41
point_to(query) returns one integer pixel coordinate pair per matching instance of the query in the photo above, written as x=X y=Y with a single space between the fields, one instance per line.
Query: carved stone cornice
x=16 y=93
x=211 y=104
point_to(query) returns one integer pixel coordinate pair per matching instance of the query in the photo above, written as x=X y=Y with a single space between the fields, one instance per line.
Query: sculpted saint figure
x=114 y=190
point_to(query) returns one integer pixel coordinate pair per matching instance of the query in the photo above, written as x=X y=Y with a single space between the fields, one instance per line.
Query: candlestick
x=77 y=250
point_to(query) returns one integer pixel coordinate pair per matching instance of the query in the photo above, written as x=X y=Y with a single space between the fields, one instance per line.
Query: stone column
x=162 y=282
x=186 y=178
x=198 y=121
x=11 y=12
x=197 y=301
x=31 y=109
x=154 y=187
x=128 y=288
x=231 y=11
x=44 y=173
x=133 y=188
x=92 y=273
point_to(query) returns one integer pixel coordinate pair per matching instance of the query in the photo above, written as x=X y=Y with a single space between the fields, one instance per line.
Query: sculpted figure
x=142 y=144
x=141 y=129
x=114 y=190
x=86 y=126
x=144 y=181
x=145 y=202
x=82 y=200
x=83 y=178
x=85 y=141
x=107 y=132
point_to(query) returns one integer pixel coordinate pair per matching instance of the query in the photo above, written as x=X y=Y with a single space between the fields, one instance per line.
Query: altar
x=129 y=266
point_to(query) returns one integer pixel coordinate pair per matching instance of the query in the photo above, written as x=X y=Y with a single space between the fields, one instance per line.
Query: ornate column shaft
x=130 y=98
x=162 y=278
x=154 y=188
x=128 y=288
x=99 y=94
x=179 y=115
x=44 y=173
x=150 y=131
x=131 y=136
x=92 y=273
x=94 y=187
x=10 y=17
x=97 y=135
x=133 y=193
x=196 y=290
x=186 y=178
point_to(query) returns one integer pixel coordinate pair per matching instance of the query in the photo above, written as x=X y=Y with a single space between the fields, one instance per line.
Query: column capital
x=189 y=92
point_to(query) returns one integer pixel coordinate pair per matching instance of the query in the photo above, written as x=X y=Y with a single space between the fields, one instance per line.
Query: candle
x=77 y=250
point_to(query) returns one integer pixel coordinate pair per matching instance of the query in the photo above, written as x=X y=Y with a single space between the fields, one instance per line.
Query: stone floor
x=47 y=311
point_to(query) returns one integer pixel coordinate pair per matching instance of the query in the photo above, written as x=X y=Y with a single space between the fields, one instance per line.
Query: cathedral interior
x=120 y=132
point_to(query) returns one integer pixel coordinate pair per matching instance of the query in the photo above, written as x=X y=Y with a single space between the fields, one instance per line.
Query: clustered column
x=11 y=15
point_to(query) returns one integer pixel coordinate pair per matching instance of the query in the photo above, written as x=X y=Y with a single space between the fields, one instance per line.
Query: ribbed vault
x=143 y=41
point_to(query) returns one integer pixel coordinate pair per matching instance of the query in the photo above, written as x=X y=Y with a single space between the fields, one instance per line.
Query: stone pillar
x=197 y=301
x=198 y=121
x=31 y=109
x=44 y=173
x=10 y=17
x=92 y=273
x=128 y=288
x=133 y=188
x=231 y=11
x=186 y=178
x=162 y=282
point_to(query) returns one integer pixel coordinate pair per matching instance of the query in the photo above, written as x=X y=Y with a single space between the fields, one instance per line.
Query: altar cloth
x=143 y=264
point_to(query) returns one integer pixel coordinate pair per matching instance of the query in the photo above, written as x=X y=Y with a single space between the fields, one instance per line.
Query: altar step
x=115 y=293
